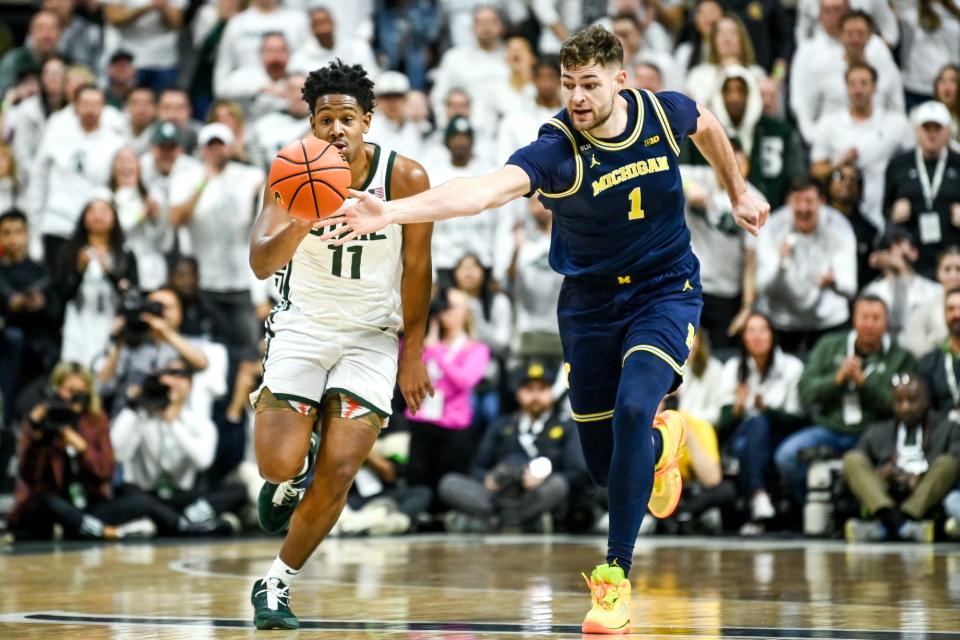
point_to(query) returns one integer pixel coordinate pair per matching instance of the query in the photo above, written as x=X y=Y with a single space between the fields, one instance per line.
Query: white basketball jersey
x=357 y=283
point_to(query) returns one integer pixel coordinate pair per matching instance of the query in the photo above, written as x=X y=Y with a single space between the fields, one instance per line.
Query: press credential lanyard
x=931 y=189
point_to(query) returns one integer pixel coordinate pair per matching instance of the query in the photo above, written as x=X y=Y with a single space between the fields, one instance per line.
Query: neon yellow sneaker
x=667 y=483
x=610 y=595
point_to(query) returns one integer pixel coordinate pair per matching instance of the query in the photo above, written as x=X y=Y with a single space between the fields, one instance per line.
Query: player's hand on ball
x=367 y=214
x=751 y=212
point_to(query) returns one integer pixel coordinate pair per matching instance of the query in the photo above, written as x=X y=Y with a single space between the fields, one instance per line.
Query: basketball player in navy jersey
x=606 y=166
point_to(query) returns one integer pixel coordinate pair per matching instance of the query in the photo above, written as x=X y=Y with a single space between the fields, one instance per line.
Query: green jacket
x=776 y=158
x=817 y=388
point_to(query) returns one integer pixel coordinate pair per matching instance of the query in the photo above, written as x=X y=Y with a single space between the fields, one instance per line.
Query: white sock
x=279 y=569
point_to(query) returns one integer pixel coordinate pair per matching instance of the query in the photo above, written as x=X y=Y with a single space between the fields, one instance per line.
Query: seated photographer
x=66 y=463
x=902 y=468
x=164 y=446
x=525 y=466
x=145 y=338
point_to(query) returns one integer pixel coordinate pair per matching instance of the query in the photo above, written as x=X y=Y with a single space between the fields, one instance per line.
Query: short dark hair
x=629 y=17
x=853 y=66
x=13 y=214
x=871 y=298
x=551 y=62
x=593 y=44
x=950 y=250
x=337 y=77
x=804 y=182
x=88 y=86
x=855 y=15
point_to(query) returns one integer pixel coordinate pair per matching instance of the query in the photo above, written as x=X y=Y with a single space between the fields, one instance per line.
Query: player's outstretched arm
x=274 y=238
x=454 y=199
x=749 y=211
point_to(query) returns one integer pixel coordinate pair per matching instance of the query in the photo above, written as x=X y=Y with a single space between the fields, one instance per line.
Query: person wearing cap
x=166 y=158
x=526 y=464
x=487 y=237
x=900 y=287
x=392 y=128
x=148 y=31
x=121 y=78
x=218 y=207
x=923 y=186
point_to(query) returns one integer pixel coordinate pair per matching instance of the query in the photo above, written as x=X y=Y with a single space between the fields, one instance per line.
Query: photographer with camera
x=527 y=465
x=164 y=446
x=145 y=339
x=901 y=469
x=66 y=464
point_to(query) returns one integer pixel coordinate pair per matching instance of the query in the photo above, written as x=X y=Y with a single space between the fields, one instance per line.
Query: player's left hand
x=751 y=212
x=413 y=380
x=367 y=214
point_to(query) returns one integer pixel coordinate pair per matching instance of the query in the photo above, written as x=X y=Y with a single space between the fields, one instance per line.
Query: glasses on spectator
x=181 y=373
x=900 y=379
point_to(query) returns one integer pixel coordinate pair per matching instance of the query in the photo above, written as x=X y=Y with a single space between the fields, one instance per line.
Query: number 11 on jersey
x=636 y=212
x=337 y=267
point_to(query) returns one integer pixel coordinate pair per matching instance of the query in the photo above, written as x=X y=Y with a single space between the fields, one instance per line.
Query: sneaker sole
x=275 y=622
x=595 y=628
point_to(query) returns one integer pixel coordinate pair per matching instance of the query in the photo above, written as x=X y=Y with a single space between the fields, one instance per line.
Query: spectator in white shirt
x=148 y=29
x=817 y=84
x=518 y=90
x=141 y=111
x=808 y=19
x=480 y=69
x=273 y=131
x=164 y=160
x=329 y=43
x=558 y=20
x=646 y=75
x=488 y=237
x=864 y=133
x=218 y=208
x=926 y=327
x=729 y=45
x=627 y=28
x=520 y=126
x=260 y=89
x=536 y=287
x=458 y=103
x=900 y=287
x=806 y=267
x=240 y=45
x=931 y=40
x=71 y=164
x=392 y=128
x=25 y=122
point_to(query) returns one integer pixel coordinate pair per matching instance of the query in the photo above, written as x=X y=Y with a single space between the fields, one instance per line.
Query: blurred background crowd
x=821 y=392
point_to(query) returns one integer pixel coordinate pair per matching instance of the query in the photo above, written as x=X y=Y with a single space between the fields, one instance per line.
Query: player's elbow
x=258 y=264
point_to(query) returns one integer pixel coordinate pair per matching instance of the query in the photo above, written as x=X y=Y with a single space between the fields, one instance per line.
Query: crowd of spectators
x=821 y=393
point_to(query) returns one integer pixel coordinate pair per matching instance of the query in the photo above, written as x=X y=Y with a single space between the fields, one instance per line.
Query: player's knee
x=277 y=470
x=636 y=409
x=340 y=475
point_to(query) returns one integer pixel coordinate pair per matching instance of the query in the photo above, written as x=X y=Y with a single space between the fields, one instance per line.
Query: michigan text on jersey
x=629 y=171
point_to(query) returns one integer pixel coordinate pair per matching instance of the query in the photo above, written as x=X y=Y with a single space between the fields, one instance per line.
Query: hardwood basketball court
x=466 y=588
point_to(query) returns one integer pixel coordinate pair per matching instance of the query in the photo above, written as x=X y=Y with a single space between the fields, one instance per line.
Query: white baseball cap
x=931 y=111
x=392 y=83
x=215 y=131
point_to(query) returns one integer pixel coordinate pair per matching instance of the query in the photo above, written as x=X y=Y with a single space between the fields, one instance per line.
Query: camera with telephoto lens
x=136 y=331
x=60 y=412
x=154 y=394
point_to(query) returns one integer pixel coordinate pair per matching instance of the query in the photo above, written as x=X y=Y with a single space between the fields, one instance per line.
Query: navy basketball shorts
x=603 y=322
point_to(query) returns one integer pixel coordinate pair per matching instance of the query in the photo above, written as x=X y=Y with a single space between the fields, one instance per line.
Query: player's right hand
x=365 y=215
x=751 y=212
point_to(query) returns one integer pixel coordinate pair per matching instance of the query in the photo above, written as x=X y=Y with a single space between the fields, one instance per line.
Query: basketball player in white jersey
x=332 y=340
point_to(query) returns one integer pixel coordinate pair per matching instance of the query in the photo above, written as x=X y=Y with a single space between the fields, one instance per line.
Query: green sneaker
x=277 y=502
x=271 y=605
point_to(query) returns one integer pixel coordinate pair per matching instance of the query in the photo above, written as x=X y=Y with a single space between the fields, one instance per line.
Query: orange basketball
x=309 y=179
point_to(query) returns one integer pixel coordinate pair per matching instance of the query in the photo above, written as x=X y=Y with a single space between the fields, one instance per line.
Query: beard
x=954 y=327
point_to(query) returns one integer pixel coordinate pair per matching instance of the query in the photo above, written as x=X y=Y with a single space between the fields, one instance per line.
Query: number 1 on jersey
x=636 y=213
x=337 y=266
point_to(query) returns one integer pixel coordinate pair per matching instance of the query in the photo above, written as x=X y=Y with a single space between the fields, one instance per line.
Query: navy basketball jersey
x=617 y=204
